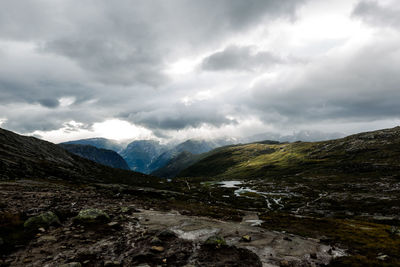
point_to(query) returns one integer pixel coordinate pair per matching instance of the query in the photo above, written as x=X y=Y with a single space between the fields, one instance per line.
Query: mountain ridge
x=30 y=157
x=257 y=159
x=100 y=155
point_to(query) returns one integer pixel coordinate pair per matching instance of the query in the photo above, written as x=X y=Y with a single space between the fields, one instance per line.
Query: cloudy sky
x=133 y=69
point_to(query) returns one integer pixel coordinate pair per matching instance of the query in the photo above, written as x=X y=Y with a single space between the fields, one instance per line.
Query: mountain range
x=147 y=156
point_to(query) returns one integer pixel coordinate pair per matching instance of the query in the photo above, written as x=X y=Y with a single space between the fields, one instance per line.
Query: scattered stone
x=91 y=216
x=71 y=264
x=284 y=263
x=115 y=225
x=313 y=255
x=41 y=229
x=47 y=238
x=215 y=241
x=382 y=257
x=129 y=210
x=167 y=234
x=394 y=230
x=43 y=220
x=155 y=241
x=157 y=249
x=246 y=238
x=112 y=263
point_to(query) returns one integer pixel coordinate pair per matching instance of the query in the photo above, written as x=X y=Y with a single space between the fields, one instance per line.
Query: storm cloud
x=379 y=14
x=227 y=66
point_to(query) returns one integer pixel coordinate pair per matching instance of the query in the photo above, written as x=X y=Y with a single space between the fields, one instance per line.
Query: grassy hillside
x=372 y=152
x=345 y=191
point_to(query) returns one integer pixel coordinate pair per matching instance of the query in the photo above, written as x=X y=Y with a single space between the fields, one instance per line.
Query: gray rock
x=382 y=257
x=47 y=238
x=155 y=241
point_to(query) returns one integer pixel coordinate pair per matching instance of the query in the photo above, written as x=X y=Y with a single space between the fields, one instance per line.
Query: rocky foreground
x=58 y=224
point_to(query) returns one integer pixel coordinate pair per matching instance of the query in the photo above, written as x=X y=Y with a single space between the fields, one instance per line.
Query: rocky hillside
x=29 y=157
x=103 y=156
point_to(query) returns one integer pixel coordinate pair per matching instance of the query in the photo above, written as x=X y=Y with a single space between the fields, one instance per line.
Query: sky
x=176 y=69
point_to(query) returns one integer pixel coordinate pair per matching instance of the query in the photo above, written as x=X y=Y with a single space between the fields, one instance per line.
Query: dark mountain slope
x=177 y=164
x=98 y=142
x=103 y=156
x=29 y=157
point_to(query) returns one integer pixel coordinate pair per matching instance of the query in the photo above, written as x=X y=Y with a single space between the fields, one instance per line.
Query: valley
x=268 y=203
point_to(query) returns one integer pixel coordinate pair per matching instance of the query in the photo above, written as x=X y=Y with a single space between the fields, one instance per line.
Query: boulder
x=91 y=216
x=43 y=220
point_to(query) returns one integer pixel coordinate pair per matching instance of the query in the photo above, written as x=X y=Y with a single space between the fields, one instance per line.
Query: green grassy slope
x=372 y=152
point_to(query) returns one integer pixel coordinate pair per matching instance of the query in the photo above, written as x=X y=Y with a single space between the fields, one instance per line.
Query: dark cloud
x=180 y=116
x=357 y=87
x=49 y=102
x=111 y=61
x=377 y=14
x=242 y=58
x=109 y=57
